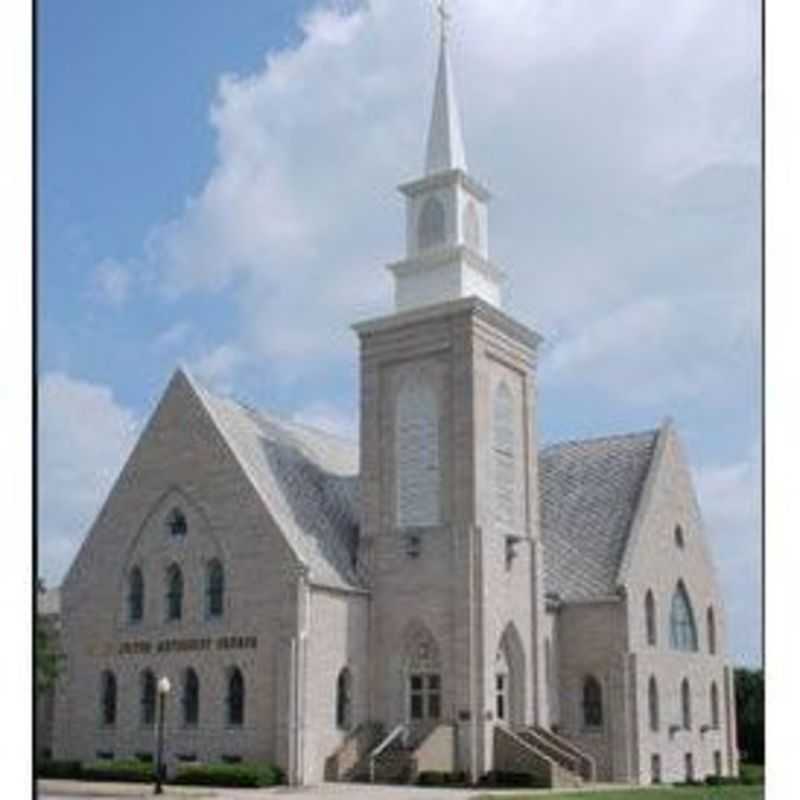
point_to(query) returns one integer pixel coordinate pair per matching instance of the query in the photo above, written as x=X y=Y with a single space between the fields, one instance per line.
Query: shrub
x=65 y=770
x=128 y=771
x=751 y=774
x=719 y=780
x=433 y=778
x=237 y=775
x=500 y=778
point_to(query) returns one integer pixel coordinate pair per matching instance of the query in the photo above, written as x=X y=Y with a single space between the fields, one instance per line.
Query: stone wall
x=657 y=563
x=180 y=460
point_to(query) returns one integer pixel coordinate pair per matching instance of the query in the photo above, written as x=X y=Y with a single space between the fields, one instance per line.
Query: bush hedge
x=234 y=775
x=128 y=771
x=432 y=778
x=719 y=780
x=500 y=778
x=63 y=770
x=751 y=774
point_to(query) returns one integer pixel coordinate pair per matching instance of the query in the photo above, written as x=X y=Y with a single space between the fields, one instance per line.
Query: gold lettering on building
x=142 y=647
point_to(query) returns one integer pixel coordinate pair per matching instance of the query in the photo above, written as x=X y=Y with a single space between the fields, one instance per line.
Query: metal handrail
x=397 y=731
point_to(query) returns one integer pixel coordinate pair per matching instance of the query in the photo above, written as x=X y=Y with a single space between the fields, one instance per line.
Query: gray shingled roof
x=589 y=493
x=308 y=480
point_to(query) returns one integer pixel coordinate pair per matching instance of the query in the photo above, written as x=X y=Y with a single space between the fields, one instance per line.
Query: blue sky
x=217 y=188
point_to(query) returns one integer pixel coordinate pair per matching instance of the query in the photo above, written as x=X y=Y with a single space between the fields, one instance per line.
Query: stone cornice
x=447 y=178
x=472 y=306
x=446 y=255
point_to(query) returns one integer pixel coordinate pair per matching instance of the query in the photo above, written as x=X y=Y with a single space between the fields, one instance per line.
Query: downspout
x=293 y=711
x=473 y=694
x=298 y=663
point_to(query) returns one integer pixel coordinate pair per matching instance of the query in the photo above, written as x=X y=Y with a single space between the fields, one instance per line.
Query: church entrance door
x=424 y=703
x=509 y=669
x=422 y=677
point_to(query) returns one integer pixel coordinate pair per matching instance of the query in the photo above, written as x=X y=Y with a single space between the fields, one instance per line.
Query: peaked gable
x=590 y=492
x=307 y=479
x=668 y=501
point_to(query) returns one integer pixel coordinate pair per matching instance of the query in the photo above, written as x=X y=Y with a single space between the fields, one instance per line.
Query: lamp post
x=163 y=691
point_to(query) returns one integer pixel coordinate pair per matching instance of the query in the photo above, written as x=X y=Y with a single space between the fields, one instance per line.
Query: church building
x=443 y=595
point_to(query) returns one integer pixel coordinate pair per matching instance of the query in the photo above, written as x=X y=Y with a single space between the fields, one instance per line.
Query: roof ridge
x=597 y=439
x=263 y=414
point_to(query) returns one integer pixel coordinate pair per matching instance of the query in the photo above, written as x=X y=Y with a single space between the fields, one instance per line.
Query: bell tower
x=447 y=222
x=449 y=487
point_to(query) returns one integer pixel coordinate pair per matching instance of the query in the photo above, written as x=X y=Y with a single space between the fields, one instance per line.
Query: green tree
x=749 y=687
x=47 y=655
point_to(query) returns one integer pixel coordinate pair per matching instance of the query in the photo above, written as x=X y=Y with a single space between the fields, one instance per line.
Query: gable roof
x=308 y=480
x=590 y=491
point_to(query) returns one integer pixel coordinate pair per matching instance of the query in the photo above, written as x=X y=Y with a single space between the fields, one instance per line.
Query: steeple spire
x=445 y=142
x=447 y=214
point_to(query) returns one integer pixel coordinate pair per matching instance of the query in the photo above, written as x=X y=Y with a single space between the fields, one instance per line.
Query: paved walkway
x=77 y=790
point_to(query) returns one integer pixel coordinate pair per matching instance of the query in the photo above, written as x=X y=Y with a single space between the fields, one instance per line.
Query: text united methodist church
x=442 y=596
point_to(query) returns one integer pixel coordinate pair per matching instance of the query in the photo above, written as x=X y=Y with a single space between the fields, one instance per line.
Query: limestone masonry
x=447 y=596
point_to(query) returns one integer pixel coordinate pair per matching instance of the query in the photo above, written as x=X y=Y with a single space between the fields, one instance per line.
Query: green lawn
x=661 y=793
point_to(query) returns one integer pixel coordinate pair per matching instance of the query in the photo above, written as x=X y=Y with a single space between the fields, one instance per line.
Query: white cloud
x=658 y=350
x=174 y=336
x=111 y=282
x=84 y=438
x=219 y=366
x=328 y=418
x=730 y=496
x=614 y=141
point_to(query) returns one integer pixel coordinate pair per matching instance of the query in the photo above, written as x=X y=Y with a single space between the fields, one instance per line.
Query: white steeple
x=447 y=214
x=445 y=142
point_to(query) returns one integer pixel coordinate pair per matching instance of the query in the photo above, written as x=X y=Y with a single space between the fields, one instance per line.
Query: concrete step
x=391 y=766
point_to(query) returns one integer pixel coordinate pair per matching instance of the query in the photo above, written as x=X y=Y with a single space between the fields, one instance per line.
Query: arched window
x=343 y=699
x=174 y=592
x=423 y=668
x=191 y=698
x=711 y=625
x=652 y=703
x=215 y=589
x=501 y=685
x=650 y=618
x=680 y=539
x=147 y=700
x=235 y=698
x=714 y=705
x=686 y=704
x=135 y=595
x=108 y=698
x=592 y=703
x=472 y=226
x=431 y=224
x=417 y=453
x=683 y=633
x=176 y=523
x=503 y=445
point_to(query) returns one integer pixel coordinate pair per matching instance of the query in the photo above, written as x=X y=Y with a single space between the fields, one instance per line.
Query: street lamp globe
x=163 y=691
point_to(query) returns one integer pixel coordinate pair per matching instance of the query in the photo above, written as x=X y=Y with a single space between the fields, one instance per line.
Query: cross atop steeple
x=445 y=15
x=445 y=142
